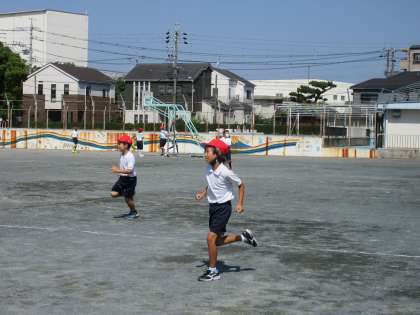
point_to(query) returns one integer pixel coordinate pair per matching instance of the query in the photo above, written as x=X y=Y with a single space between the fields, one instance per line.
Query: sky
x=324 y=39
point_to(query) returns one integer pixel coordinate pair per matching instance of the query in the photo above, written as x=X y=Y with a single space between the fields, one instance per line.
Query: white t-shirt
x=75 y=134
x=163 y=134
x=139 y=136
x=128 y=162
x=220 y=184
x=227 y=140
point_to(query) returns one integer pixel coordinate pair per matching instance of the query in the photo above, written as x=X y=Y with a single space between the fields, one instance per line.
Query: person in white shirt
x=228 y=140
x=139 y=141
x=75 y=138
x=163 y=138
x=219 y=192
x=127 y=181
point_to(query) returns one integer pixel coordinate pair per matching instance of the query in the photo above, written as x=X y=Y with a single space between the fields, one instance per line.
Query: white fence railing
x=401 y=141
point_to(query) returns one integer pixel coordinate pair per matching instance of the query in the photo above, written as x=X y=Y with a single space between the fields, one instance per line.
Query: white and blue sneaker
x=209 y=275
x=132 y=215
x=249 y=238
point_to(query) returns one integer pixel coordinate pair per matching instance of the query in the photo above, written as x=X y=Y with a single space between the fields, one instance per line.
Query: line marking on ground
x=297 y=248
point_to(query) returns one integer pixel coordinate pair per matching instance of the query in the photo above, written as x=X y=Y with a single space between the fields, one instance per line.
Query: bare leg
x=212 y=248
x=130 y=204
x=114 y=194
x=227 y=239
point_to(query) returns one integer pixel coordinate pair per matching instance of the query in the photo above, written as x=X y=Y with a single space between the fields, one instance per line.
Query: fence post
x=105 y=118
x=47 y=119
x=29 y=117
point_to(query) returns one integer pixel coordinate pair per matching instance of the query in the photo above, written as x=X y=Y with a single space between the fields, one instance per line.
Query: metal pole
x=36 y=111
x=93 y=112
x=105 y=118
x=298 y=123
x=274 y=120
x=84 y=113
x=47 y=118
x=29 y=117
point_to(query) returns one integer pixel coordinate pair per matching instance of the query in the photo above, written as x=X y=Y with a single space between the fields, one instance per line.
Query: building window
x=335 y=97
x=416 y=58
x=66 y=89
x=88 y=89
x=368 y=97
x=146 y=119
x=248 y=94
x=40 y=89
x=136 y=119
x=104 y=93
x=343 y=98
x=53 y=92
x=161 y=89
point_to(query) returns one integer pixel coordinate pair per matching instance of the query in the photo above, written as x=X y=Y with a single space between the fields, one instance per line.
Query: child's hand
x=200 y=195
x=115 y=169
x=239 y=208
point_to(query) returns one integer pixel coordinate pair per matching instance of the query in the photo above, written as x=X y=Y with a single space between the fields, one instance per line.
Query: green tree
x=311 y=93
x=119 y=86
x=13 y=71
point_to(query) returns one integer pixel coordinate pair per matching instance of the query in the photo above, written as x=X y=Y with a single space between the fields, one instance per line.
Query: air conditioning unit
x=396 y=113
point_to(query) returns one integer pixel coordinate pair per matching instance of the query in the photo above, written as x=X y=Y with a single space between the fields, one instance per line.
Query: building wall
x=47 y=77
x=222 y=83
x=282 y=88
x=46 y=46
x=51 y=75
x=407 y=124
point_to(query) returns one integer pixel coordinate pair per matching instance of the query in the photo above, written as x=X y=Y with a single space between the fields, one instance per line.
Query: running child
x=75 y=138
x=139 y=140
x=226 y=139
x=126 y=183
x=219 y=192
x=163 y=138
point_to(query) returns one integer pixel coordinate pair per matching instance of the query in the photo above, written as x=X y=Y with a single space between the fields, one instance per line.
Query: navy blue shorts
x=139 y=145
x=125 y=186
x=219 y=214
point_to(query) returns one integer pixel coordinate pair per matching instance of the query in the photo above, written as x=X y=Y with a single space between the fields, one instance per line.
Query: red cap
x=140 y=129
x=125 y=139
x=218 y=144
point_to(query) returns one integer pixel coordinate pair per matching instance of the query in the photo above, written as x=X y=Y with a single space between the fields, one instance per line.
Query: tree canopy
x=311 y=93
x=13 y=71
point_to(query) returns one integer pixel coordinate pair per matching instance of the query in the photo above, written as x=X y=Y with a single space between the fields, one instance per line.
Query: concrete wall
x=408 y=123
x=262 y=145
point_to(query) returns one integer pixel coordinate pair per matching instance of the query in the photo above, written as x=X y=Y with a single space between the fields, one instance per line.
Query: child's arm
x=116 y=169
x=201 y=194
x=241 y=193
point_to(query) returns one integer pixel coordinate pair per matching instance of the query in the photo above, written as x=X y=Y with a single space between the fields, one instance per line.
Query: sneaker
x=209 y=276
x=132 y=215
x=249 y=238
x=121 y=216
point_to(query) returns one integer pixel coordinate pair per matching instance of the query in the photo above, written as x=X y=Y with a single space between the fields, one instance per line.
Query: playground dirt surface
x=336 y=237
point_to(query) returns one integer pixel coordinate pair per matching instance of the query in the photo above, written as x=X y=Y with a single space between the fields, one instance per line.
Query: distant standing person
x=139 y=140
x=228 y=140
x=163 y=138
x=75 y=138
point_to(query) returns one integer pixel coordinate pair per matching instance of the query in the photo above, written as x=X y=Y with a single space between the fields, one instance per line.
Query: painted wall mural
x=274 y=145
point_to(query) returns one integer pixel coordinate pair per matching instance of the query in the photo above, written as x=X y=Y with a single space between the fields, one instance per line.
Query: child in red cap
x=126 y=184
x=219 y=192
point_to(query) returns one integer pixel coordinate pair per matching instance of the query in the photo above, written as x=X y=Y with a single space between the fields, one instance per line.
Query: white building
x=281 y=88
x=55 y=36
x=270 y=92
x=57 y=80
x=401 y=125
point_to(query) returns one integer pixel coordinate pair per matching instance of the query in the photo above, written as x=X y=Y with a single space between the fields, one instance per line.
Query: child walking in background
x=163 y=138
x=219 y=192
x=75 y=138
x=226 y=139
x=127 y=181
x=139 y=140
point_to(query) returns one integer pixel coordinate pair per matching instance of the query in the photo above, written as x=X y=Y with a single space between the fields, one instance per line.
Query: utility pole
x=390 y=61
x=31 y=31
x=173 y=41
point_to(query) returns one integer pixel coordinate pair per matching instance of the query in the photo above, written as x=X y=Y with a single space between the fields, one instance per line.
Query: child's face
x=210 y=155
x=122 y=147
